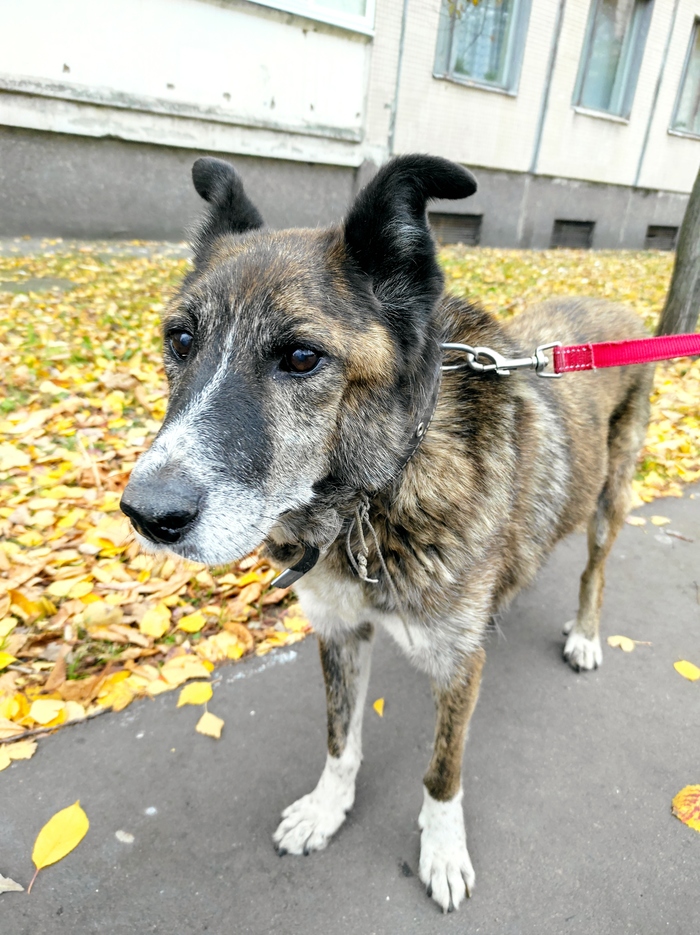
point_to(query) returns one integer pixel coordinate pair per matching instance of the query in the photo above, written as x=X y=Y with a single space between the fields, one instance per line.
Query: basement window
x=660 y=238
x=456 y=228
x=573 y=234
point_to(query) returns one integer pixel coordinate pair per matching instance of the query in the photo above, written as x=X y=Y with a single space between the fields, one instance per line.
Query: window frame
x=679 y=131
x=585 y=58
x=306 y=9
x=516 y=53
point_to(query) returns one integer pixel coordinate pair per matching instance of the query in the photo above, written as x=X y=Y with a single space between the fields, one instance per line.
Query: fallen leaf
x=155 y=621
x=192 y=623
x=59 y=836
x=6 y=659
x=686 y=806
x=379 y=706
x=45 y=710
x=210 y=724
x=21 y=749
x=8 y=729
x=659 y=520
x=623 y=642
x=636 y=521
x=687 y=669
x=195 y=693
x=9 y=886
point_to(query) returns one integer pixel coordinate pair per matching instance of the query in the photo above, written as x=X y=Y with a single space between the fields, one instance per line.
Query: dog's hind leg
x=445 y=867
x=627 y=428
x=310 y=822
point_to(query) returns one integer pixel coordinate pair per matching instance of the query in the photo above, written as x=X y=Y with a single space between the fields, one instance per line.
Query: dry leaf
x=59 y=836
x=210 y=724
x=623 y=642
x=636 y=521
x=659 y=520
x=21 y=749
x=195 y=693
x=379 y=706
x=686 y=806
x=45 y=710
x=687 y=669
x=192 y=623
x=155 y=621
x=6 y=659
x=9 y=886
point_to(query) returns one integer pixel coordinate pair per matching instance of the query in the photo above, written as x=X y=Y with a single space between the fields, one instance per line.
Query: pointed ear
x=230 y=211
x=387 y=233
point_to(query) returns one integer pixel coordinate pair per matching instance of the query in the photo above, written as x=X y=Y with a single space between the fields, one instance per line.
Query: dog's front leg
x=310 y=823
x=445 y=867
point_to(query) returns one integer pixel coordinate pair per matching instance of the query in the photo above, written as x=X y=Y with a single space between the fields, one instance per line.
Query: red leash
x=578 y=356
x=622 y=353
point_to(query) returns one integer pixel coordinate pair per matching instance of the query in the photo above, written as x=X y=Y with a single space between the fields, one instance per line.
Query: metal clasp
x=495 y=362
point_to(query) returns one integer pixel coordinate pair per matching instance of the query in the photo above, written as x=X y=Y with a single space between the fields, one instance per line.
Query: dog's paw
x=582 y=653
x=445 y=867
x=308 y=824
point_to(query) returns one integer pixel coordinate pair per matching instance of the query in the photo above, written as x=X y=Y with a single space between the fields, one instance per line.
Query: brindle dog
x=304 y=368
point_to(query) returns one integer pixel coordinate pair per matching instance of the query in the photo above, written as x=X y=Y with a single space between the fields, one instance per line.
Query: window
x=356 y=15
x=686 y=117
x=612 y=55
x=456 y=228
x=482 y=43
x=660 y=238
x=573 y=234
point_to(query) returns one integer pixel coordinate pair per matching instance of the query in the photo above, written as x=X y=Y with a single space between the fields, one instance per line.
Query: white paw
x=310 y=822
x=582 y=653
x=308 y=825
x=445 y=867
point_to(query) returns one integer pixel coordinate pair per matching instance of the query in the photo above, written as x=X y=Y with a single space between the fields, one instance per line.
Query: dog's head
x=297 y=361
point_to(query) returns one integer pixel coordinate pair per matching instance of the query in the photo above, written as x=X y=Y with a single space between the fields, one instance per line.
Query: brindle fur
x=508 y=466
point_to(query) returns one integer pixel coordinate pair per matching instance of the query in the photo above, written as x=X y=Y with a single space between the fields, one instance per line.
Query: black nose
x=161 y=509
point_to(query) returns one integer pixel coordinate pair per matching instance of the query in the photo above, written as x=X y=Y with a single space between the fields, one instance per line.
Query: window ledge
x=476 y=85
x=600 y=115
x=363 y=25
x=685 y=134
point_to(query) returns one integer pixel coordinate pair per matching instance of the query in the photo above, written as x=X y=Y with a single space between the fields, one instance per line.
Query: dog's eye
x=181 y=343
x=300 y=360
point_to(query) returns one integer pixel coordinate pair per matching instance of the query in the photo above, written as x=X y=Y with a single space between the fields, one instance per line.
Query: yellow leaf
x=210 y=725
x=8 y=729
x=155 y=621
x=7 y=625
x=195 y=693
x=182 y=668
x=295 y=620
x=31 y=539
x=4 y=758
x=248 y=578
x=660 y=520
x=21 y=750
x=59 y=836
x=11 y=457
x=6 y=659
x=192 y=623
x=687 y=670
x=379 y=706
x=74 y=711
x=623 y=642
x=636 y=521
x=45 y=710
x=686 y=806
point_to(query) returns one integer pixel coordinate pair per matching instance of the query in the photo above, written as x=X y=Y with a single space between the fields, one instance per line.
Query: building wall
x=104 y=105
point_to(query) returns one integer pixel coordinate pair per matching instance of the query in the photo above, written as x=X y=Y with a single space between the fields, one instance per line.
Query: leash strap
x=623 y=353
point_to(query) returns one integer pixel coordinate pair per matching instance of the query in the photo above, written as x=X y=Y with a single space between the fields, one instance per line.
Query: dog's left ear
x=387 y=233
x=230 y=211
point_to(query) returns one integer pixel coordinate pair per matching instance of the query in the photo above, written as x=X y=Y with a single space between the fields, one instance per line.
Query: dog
x=309 y=410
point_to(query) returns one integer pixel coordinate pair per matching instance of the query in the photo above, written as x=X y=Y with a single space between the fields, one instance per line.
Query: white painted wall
x=233 y=63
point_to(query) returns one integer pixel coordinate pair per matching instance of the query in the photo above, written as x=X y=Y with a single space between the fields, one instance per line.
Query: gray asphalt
x=568 y=784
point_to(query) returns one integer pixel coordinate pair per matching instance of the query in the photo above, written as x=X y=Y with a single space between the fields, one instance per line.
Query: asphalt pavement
x=568 y=784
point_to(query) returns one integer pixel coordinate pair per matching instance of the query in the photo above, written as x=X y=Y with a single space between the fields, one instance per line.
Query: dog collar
x=312 y=554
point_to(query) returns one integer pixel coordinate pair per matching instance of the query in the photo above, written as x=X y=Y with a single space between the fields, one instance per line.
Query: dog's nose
x=160 y=508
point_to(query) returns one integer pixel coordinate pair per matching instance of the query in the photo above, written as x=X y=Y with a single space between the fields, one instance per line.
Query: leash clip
x=497 y=363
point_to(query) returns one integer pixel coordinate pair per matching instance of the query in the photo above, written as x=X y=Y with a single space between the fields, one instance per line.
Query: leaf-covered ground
x=86 y=622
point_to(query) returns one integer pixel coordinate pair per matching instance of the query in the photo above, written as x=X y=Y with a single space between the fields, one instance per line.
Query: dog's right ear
x=230 y=211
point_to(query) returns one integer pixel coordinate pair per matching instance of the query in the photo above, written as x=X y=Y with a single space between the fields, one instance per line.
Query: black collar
x=311 y=554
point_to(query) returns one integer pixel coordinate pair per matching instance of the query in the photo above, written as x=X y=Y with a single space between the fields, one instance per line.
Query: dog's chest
x=337 y=605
